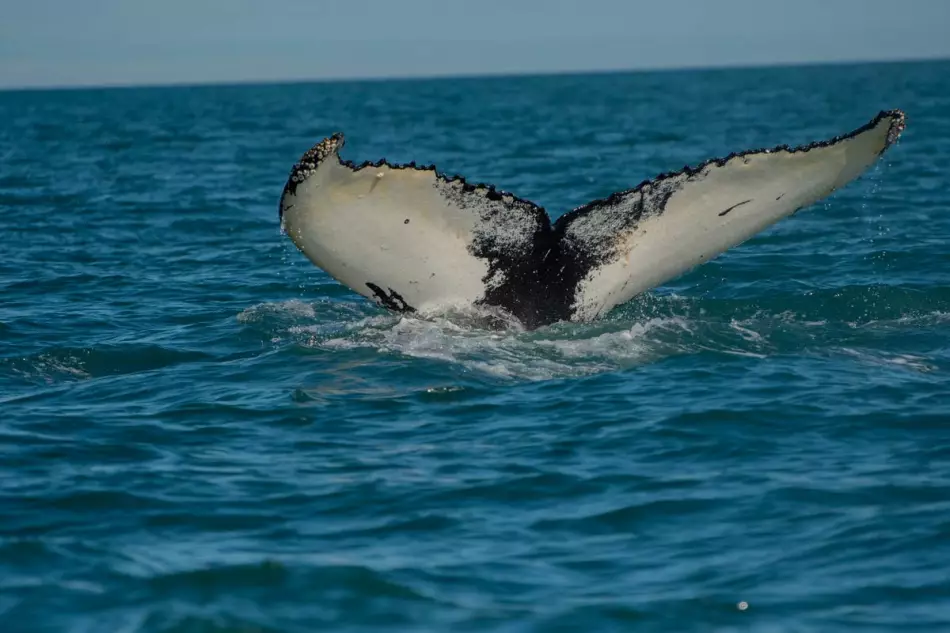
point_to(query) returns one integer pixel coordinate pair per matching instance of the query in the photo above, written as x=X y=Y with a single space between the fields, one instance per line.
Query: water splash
x=649 y=330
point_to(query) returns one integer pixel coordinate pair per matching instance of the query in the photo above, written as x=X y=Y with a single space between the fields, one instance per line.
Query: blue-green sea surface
x=200 y=431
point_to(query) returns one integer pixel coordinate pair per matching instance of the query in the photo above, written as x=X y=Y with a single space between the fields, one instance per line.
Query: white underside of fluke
x=389 y=228
x=413 y=239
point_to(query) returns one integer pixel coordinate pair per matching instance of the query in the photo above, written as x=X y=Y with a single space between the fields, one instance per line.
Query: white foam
x=744 y=331
x=484 y=342
x=49 y=366
x=506 y=352
x=902 y=361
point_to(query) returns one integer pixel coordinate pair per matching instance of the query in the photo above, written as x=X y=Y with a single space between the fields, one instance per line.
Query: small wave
x=900 y=361
x=74 y=364
x=288 y=309
x=226 y=596
x=319 y=574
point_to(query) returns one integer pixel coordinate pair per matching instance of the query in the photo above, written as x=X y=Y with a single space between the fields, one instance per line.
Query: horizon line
x=449 y=76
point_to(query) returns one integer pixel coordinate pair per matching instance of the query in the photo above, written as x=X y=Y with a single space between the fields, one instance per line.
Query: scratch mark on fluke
x=722 y=213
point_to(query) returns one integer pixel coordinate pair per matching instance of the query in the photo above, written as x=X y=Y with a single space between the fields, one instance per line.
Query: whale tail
x=414 y=239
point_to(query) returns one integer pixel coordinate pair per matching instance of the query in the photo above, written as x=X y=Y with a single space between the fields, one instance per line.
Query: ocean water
x=200 y=431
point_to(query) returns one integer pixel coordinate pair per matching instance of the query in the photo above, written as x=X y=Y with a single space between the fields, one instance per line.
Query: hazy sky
x=68 y=42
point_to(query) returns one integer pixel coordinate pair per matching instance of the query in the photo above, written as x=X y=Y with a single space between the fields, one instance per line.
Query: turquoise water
x=201 y=431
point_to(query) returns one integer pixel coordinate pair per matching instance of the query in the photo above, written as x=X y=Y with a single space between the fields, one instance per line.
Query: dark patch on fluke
x=391 y=300
x=722 y=213
x=538 y=285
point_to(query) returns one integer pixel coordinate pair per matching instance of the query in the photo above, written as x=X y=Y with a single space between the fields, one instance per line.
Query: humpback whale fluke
x=414 y=239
